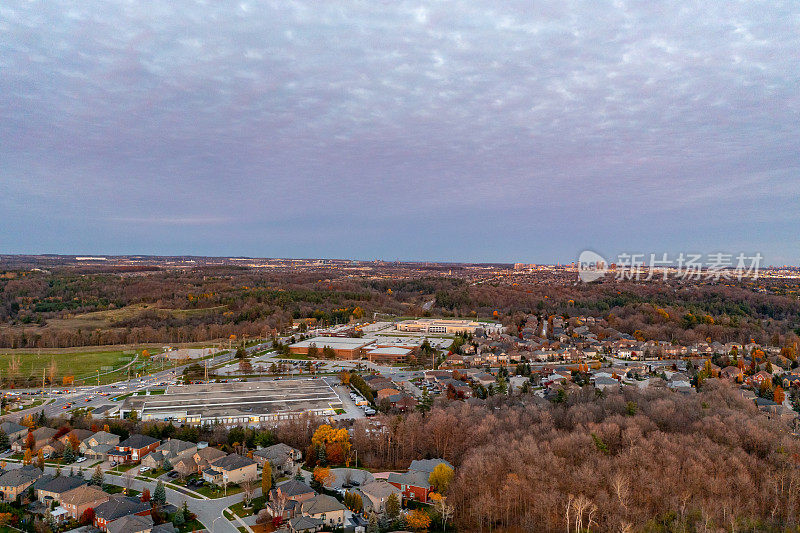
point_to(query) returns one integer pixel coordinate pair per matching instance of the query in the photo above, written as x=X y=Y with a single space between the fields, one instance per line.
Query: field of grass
x=240 y=510
x=111 y=317
x=78 y=364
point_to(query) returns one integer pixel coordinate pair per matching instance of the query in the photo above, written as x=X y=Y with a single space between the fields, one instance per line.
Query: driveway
x=352 y=411
x=350 y=474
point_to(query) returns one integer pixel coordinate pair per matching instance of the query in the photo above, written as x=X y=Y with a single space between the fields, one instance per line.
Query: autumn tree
x=353 y=501
x=266 y=479
x=418 y=520
x=27 y=457
x=441 y=477
x=323 y=475
x=778 y=395
x=87 y=517
x=442 y=508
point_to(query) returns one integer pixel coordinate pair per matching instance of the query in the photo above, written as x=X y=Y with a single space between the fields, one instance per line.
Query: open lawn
x=78 y=364
x=239 y=509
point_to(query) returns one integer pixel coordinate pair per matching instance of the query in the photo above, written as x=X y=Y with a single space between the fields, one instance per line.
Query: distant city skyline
x=464 y=132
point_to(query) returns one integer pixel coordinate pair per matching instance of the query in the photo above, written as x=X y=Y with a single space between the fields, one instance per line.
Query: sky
x=443 y=131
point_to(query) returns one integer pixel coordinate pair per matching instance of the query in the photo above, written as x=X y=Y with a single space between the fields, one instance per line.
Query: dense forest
x=636 y=460
x=70 y=306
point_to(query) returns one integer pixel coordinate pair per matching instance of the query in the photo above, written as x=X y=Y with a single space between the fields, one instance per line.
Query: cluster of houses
x=560 y=340
x=67 y=497
x=64 y=497
x=387 y=392
x=305 y=510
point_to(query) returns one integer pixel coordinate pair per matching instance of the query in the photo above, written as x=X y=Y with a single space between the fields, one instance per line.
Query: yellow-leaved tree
x=441 y=477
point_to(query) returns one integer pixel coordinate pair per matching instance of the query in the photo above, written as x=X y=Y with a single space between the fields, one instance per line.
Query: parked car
x=80 y=459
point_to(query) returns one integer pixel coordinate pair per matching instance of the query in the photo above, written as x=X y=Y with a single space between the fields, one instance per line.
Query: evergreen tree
x=160 y=494
x=373 y=526
x=425 y=402
x=393 y=505
x=69 y=454
x=166 y=465
x=97 y=477
x=4 y=442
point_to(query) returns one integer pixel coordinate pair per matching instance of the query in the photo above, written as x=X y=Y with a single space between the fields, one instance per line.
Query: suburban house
x=41 y=437
x=52 y=449
x=97 y=439
x=15 y=482
x=175 y=447
x=77 y=500
x=133 y=449
x=305 y=524
x=76 y=436
x=100 y=451
x=116 y=507
x=282 y=458
x=14 y=431
x=205 y=456
x=733 y=373
x=232 y=468
x=171 y=450
x=286 y=498
x=131 y=524
x=184 y=465
x=325 y=508
x=759 y=378
x=49 y=488
x=414 y=484
x=375 y=493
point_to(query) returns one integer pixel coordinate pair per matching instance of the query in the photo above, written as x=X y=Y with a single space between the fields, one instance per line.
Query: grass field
x=79 y=364
x=84 y=364
x=111 y=317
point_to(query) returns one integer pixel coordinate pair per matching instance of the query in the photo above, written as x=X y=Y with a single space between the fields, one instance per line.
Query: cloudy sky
x=467 y=131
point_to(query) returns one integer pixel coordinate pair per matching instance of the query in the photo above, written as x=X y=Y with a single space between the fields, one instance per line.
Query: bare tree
x=249 y=488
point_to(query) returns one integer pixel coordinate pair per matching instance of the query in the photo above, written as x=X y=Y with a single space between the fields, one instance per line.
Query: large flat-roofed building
x=448 y=326
x=389 y=354
x=344 y=347
x=240 y=403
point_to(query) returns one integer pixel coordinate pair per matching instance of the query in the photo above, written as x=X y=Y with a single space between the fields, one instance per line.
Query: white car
x=80 y=459
x=144 y=469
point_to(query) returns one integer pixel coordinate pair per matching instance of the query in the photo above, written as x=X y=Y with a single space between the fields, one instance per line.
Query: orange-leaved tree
x=418 y=520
